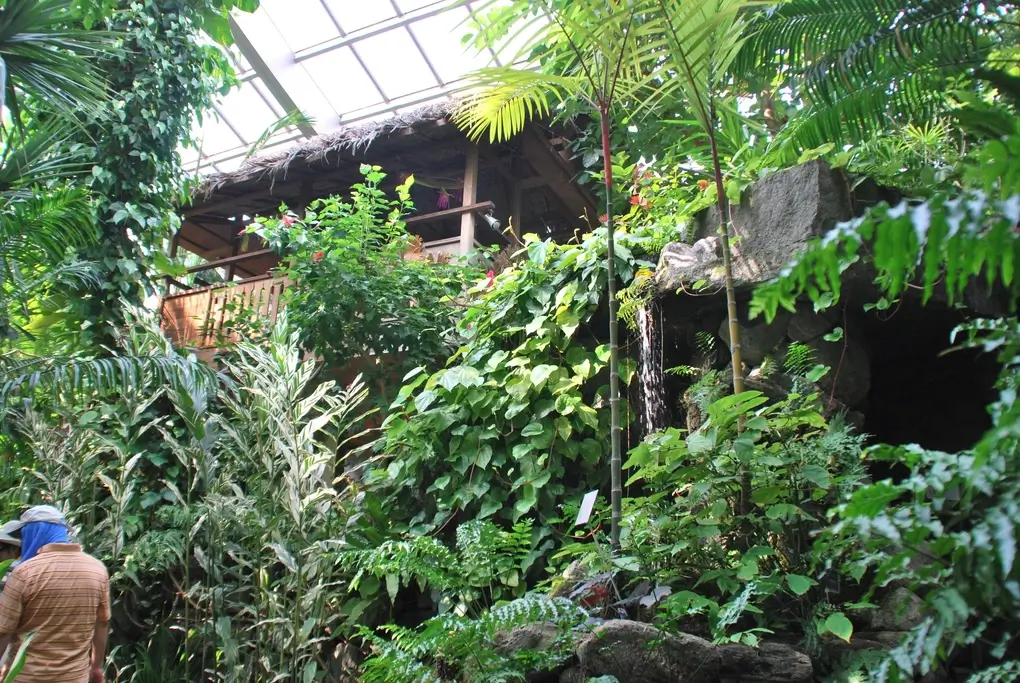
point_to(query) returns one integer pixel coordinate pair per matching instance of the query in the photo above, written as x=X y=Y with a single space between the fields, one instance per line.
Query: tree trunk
x=731 y=307
x=615 y=460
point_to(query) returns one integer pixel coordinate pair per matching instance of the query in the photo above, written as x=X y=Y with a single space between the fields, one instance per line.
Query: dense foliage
x=256 y=530
x=162 y=78
x=355 y=290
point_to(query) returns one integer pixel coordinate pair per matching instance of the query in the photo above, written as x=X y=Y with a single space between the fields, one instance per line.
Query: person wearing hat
x=10 y=545
x=63 y=596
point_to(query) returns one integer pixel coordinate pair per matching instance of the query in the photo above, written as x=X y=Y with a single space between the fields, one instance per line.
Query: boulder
x=774 y=220
x=758 y=338
x=770 y=662
x=530 y=637
x=898 y=610
x=849 y=369
x=683 y=265
x=639 y=653
x=806 y=325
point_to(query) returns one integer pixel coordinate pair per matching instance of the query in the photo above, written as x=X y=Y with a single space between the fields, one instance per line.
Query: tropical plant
x=949 y=527
x=353 y=292
x=511 y=427
x=49 y=62
x=593 y=51
x=222 y=541
x=162 y=79
x=861 y=67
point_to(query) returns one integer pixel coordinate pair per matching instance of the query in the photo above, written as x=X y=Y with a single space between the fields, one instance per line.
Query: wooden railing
x=210 y=317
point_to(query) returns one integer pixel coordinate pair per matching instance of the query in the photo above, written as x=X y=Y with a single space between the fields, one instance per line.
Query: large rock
x=757 y=340
x=638 y=653
x=775 y=219
x=771 y=663
x=849 y=369
x=899 y=610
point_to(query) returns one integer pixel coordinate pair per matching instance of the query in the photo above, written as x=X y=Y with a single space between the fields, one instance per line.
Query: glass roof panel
x=247 y=112
x=302 y=23
x=451 y=59
x=354 y=15
x=410 y=49
x=411 y=5
x=396 y=63
x=344 y=83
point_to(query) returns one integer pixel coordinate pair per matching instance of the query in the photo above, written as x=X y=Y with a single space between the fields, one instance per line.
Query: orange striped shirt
x=59 y=594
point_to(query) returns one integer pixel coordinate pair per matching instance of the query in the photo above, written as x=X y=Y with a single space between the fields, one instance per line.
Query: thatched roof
x=353 y=138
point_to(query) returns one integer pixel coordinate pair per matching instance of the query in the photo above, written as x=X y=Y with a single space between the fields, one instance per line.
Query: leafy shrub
x=687 y=531
x=512 y=426
x=353 y=293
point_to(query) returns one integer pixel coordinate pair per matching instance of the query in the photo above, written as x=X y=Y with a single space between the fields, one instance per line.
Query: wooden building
x=466 y=195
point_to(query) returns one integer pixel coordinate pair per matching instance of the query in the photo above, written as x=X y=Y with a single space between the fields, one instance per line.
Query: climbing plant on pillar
x=162 y=79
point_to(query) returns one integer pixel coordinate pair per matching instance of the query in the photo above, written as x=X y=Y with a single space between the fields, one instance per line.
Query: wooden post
x=467 y=220
x=236 y=243
x=173 y=255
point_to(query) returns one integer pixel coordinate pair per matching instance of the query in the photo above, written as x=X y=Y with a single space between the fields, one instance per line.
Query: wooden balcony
x=209 y=318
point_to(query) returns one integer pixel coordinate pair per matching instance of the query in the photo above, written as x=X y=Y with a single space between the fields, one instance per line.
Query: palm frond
x=835 y=50
x=45 y=227
x=881 y=105
x=49 y=61
x=38 y=155
x=293 y=119
x=703 y=37
x=596 y=48
x=21 y=376
x=503 y=99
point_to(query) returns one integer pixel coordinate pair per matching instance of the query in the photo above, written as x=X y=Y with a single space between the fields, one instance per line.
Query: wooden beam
x=478 y=207
x=230 y=260
x=467 y=220
x=228 y=203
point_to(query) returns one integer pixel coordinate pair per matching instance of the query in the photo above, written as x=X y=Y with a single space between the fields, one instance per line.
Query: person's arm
x=98 y=665
x=10 y=616
x=5 y=642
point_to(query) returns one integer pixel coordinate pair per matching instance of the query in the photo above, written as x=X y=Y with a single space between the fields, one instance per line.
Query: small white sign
x=587 y=505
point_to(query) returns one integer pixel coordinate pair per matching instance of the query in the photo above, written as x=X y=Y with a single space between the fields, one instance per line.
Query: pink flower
x=604 y=218
x=492 y=278
x=288 y=220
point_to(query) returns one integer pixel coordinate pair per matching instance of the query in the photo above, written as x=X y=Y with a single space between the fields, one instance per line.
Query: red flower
x=604 y=218
x=318 y=256
x=288 y=220
x=702 y=184
x=492 y=278
x=638 y=200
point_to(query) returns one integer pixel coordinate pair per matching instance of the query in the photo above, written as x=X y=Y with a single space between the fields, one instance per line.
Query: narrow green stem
x=615 y=461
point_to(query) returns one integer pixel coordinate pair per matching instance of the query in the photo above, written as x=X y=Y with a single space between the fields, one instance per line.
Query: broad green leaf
x=838 y=625
x=798 y=584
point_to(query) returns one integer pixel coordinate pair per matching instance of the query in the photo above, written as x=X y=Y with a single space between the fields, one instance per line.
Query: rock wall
x=776 y=217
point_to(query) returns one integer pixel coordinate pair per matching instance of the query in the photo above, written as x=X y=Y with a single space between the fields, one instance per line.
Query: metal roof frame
x=283 y=77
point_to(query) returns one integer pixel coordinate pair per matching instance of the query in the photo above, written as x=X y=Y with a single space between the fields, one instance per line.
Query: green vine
x=163 y=77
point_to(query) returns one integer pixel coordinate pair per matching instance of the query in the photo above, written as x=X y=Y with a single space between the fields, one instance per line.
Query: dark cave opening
x=920 y=391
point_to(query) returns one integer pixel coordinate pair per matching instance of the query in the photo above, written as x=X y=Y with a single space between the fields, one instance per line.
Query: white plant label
x=587 y=505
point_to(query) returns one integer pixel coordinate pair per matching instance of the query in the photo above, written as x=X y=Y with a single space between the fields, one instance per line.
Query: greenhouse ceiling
x=337 y=62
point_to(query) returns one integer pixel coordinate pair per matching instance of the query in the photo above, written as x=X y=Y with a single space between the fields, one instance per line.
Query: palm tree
x=603 y=52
